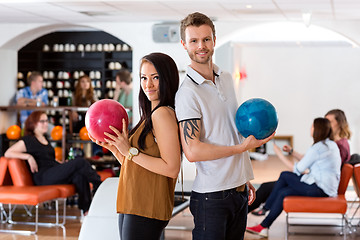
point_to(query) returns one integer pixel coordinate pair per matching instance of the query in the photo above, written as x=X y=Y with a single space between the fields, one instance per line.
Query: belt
x=223 y=193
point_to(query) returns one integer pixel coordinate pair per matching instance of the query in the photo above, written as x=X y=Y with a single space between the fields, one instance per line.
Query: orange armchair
x=23 y=195
x=337 y=205
x=21 y=176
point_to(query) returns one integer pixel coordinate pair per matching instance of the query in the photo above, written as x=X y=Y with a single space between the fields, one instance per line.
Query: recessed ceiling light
x=248 y=6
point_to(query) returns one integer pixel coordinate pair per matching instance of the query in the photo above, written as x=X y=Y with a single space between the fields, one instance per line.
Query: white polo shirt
x=215 y=105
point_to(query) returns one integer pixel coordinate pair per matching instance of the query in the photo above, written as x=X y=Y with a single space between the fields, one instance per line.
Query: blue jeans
x=288 y=184
x=133 y=227
x=219 y=215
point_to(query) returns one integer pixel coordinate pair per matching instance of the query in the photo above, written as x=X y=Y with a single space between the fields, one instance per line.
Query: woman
x=341 y=133
x=150 y=158
x=123 y=91
x=84 y=97
x=322 y=166
x=36 y=149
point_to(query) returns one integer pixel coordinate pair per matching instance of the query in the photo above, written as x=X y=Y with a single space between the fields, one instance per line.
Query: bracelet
x=291 y=151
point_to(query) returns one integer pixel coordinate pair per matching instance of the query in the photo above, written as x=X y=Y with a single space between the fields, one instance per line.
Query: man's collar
x=197 y=78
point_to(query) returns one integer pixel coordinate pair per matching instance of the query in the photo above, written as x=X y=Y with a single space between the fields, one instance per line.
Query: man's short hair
x=33 y=76
x=124 y=76
x=195 y=19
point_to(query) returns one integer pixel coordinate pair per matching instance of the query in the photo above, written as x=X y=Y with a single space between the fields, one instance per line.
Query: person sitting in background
x=123 y=91
x=36 y=149
x=32 y=95
x=317 y=174
x=84 y=96
x=341 y=133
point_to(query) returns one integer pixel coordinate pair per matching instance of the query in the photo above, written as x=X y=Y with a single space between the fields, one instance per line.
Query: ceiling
x=79 y=11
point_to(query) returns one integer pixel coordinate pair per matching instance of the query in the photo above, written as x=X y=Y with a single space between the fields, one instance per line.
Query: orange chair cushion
x=21 y=176
x=29 y=195
x=20 y=173
x=104 y=174
x=3 y=169
x=5 y=178
x=315 y=204
x=66 y=190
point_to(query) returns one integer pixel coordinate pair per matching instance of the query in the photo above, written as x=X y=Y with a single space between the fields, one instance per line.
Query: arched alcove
x=304 y=72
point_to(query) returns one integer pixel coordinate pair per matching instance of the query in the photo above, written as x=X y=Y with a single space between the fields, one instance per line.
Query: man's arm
x=196 y=151
x=26 y=102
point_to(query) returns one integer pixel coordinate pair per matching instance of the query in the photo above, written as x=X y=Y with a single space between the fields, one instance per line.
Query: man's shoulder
x=23 y=91
x=43 y=90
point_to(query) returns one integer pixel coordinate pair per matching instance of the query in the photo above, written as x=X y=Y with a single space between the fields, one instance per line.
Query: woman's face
x=42 y=125
x=333 y=123
x=150 y=82
x=312 y=130
x=84 y=83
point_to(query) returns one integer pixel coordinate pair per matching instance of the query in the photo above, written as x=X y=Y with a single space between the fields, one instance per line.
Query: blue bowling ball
x=256 y=117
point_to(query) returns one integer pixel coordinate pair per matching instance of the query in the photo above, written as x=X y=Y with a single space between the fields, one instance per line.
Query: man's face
x=199 y=43
x=37 y=83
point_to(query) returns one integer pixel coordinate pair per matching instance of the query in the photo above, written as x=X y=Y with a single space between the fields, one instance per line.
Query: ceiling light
x=248 y=6
x=306 y=15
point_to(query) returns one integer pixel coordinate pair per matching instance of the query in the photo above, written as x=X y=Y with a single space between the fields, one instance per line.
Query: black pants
x=133 y=227
x=354 y=159
x=262 y=195
x=78 y=172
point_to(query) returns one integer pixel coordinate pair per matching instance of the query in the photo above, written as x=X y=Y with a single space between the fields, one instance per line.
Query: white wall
x=302 y=83
x=8 y=70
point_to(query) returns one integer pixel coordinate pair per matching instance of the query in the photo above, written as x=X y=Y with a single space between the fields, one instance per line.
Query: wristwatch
x=132 y=153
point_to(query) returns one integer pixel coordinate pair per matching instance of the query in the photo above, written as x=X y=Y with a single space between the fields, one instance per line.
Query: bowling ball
x=83 y=133
x=58 y=154
x=256 y=117
x=13 y=132
x=56 y=133
x=101 y=115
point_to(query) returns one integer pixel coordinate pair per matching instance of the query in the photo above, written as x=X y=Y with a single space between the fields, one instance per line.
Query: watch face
x=134 y=151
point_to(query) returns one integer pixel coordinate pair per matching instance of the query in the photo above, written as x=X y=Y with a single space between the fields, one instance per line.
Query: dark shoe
x=260 y=212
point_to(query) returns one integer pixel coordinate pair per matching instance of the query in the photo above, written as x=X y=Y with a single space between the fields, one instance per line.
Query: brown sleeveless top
x=142 y=192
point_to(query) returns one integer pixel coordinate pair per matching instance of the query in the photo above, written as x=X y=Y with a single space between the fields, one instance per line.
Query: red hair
x=31 y=122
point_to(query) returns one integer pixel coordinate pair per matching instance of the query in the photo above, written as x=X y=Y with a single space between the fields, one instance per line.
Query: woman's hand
x=287 y=148
x=120 y=141
x=33 y=165
x=106 y=145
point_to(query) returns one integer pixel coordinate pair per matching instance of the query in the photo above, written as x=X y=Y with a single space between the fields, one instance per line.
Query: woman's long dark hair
x=89 y=97
x=168 y=84
x=322 y=130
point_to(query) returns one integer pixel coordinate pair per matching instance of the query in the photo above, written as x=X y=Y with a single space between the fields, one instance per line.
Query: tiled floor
x=180 y=226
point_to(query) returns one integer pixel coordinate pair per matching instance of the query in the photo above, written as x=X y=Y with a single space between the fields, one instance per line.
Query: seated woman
x=322 y=166
x=35 y=148
x=341 y=133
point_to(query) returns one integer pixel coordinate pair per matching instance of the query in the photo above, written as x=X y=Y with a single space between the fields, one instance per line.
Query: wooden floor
x=264 y=171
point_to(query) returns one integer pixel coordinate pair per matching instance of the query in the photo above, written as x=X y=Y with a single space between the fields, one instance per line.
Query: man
x=205 y=107
x=32 y=95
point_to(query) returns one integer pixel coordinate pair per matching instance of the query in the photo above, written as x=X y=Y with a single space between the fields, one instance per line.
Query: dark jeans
x=133 y=227
x=262 y=194
x=288 y=184
x=219 y=215
x=78 y=172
